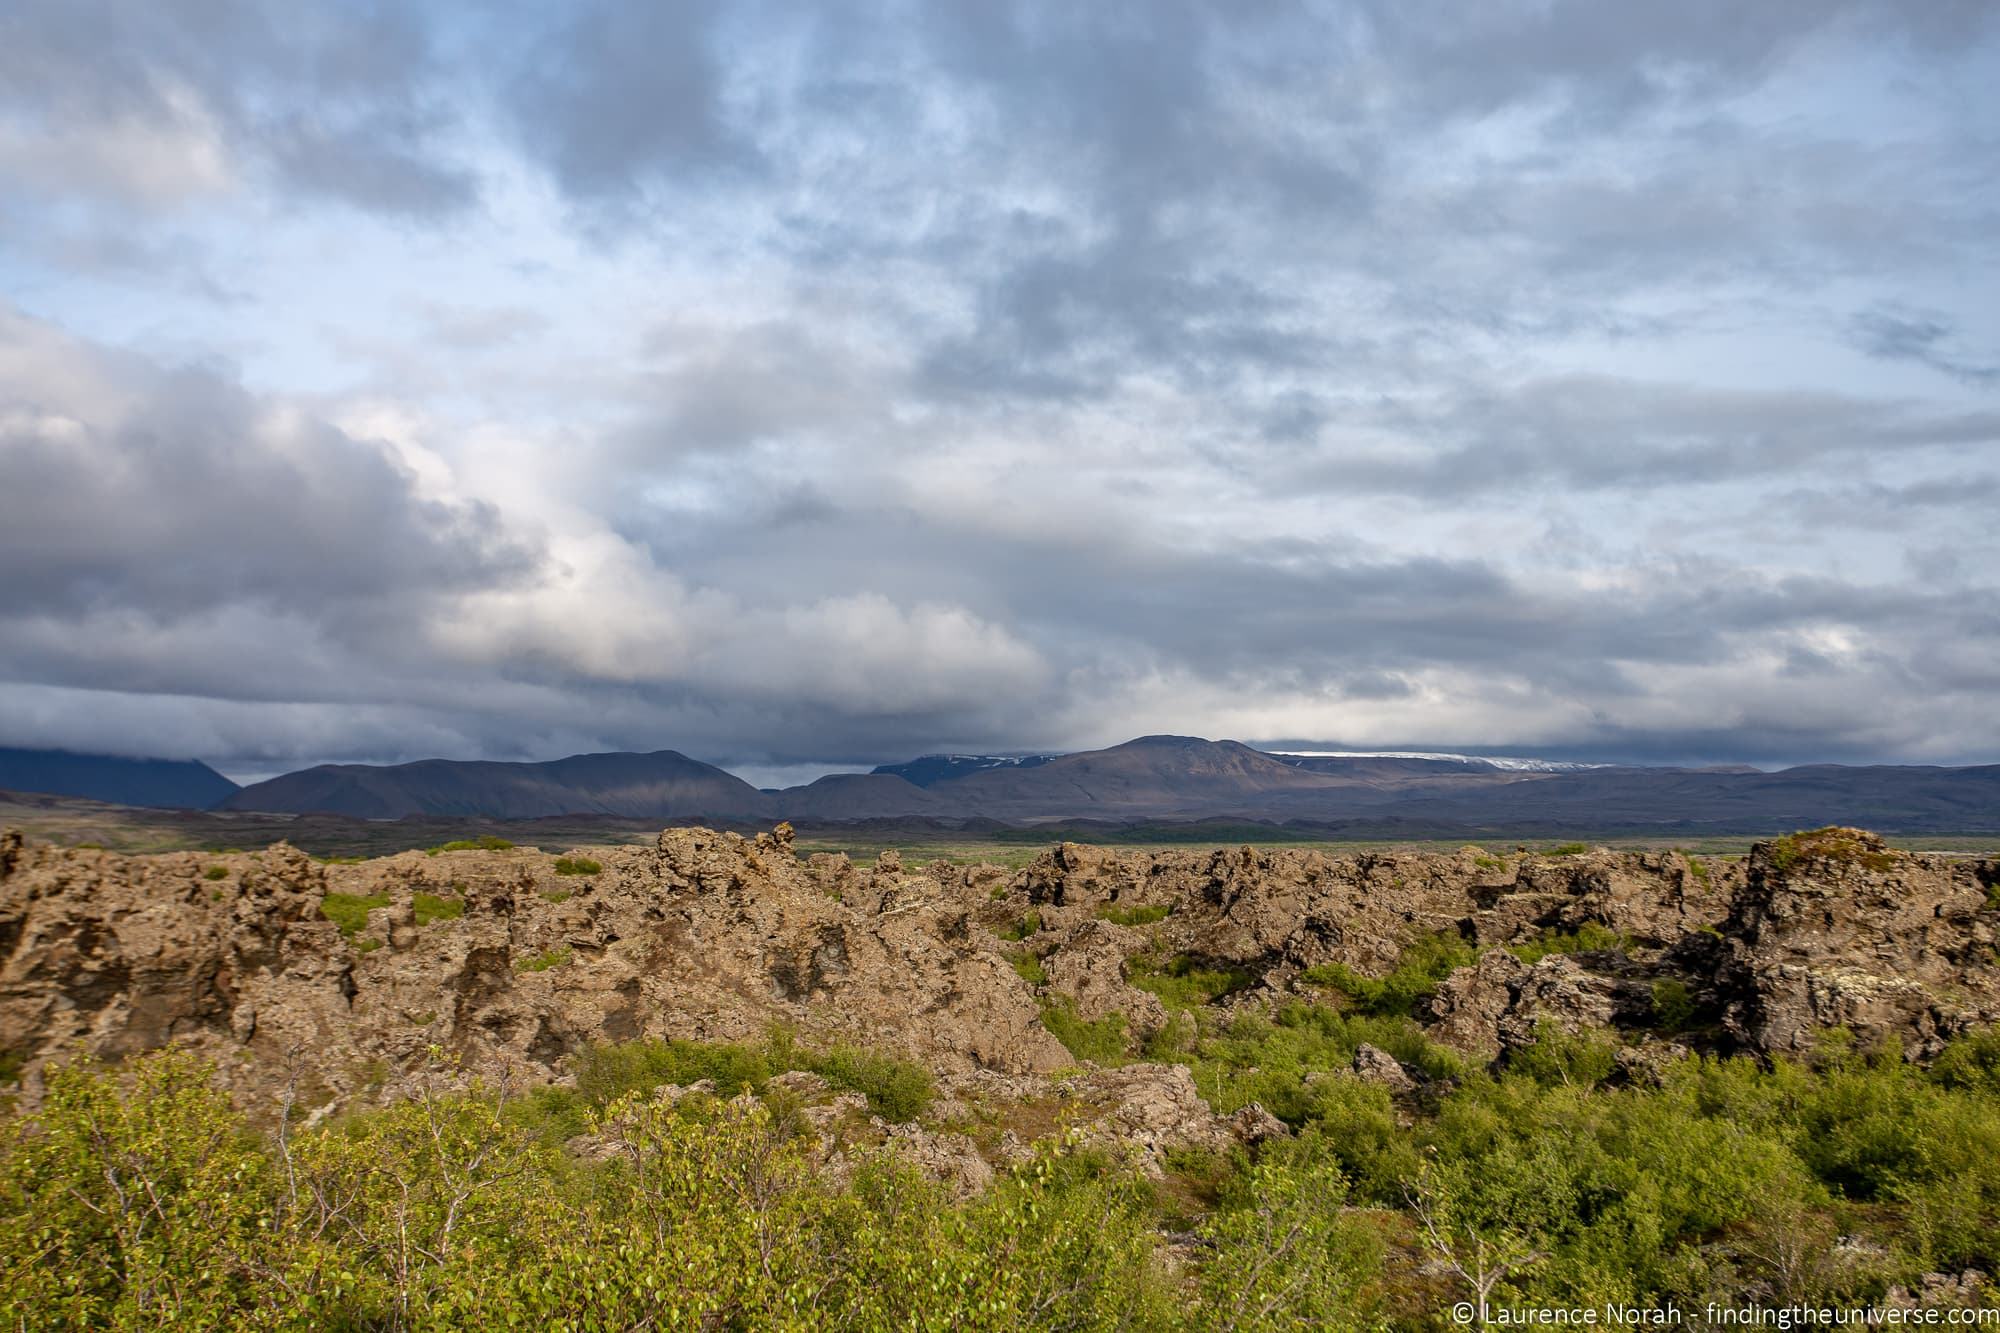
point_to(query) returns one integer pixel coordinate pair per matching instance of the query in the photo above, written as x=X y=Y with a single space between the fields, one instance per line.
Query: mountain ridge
x=1158 y=779
x=154 y=783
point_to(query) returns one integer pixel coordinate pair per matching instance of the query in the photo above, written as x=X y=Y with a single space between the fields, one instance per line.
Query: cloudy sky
x=805 y=385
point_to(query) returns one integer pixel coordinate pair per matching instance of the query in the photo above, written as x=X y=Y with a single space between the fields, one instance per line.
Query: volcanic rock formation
x=503 y=960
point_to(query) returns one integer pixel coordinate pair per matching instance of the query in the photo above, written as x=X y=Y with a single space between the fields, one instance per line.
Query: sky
x=807 y=385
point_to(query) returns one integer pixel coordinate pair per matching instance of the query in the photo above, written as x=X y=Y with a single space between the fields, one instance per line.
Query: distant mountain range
x=1149 y=780
x=931 y=769
x=662 y=785
x=166 y=783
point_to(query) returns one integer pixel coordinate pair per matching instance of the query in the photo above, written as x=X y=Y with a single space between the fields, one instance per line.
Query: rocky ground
x=343 y=982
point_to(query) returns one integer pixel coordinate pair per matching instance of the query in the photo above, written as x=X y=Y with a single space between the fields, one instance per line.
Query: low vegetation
x=1029 y=924
x=350 y=911
x=544 y=960
x=1101 y=1040
x=577 y=865
x=897 y=1090
x=488 y=843
x=1422 y=968
x=429 y=907
x=1143 y=914
x=141 y=1196
x=1029 y=967
x=1184 y=981
x=1833 y=845
x=1590 y=937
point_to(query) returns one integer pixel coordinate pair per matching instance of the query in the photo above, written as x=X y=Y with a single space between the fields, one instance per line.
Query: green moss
x=1145 y=914
x=544 y=960
x=576 y=865
x=429 y=907
x=1832 y=845
x=1029 y=966
x=556 y=895
x=350 y=911
x=488 y=843
x=216 y=872
x=1566 y=849
x=367 y=944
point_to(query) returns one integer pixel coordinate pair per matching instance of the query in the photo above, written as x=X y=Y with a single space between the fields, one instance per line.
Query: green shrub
x=1026 y=926
x=1182 y=982
x=1284 y=1060
x=487 y=843
x=606 y=1071
x=1557 y=1057
x=216 y=872
x=898 y=1090
x=1415 y=978
x=1673 y=1005
x=1028 y=966
x=1281 y=1253
x=142 y=1196
x=576 y=865
x=1970 y=1063
x=1566 y=849
x=349 y=911
x=1590 y=937
x=1101 y=1040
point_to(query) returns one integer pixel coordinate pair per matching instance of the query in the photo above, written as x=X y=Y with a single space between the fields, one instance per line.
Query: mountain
x=662 y=785
x=930 y=769
x=1151 y=775
x=167 y=783
x=1167 y=779
x=840 y=797
x=1412 y=762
